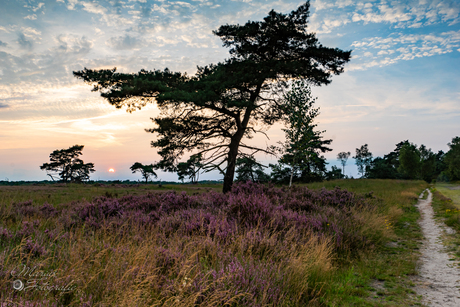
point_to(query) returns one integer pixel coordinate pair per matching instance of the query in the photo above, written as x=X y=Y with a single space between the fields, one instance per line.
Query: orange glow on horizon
x=111 y=170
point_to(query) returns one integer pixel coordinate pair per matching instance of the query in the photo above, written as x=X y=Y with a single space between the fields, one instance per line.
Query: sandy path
x=439 y=279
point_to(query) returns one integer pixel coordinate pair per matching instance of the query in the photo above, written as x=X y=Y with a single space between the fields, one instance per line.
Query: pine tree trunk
x=231 y=160
x=234 y=144
x=231 y=163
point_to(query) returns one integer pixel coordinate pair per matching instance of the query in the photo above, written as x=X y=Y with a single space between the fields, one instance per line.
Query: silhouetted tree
x=190 y=169
x=281 y=173
x=215 y=110
x=146 y=170
x=343 y=157
x=66 y=164
x=247 y=168
x=363 y=159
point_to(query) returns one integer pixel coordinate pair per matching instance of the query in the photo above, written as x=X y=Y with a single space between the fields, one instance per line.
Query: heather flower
x=48 y=210
x=5 y=234
x=33 y=248
x=25 y=209
x=26 y=230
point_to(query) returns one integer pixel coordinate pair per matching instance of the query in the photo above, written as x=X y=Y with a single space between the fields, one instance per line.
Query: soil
x=439 y=277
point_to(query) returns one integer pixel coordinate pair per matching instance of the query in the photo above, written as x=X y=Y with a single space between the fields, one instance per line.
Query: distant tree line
x=408 y=161
x=301 y=159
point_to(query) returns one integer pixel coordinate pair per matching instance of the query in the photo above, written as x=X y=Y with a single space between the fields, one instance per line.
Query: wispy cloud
x=31 y=17
x=125 y=42
x=399 y=14
x=24 y=42
x=378 y=51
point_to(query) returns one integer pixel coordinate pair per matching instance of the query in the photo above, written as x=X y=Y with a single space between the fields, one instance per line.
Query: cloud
x=55 y=64
x=124 y=42
x=93 y=8
x=3 y=105
x=39 y=6
x=24 y=42
x=403 y=47
x=3 y=44
x=146 y=9
x=72 y=44
x=319 y=5
x=35 y=8
x=31 y=17
x=328 y=15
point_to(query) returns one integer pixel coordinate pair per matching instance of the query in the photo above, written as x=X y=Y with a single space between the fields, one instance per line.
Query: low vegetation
x=446 y=204
x=257 y=245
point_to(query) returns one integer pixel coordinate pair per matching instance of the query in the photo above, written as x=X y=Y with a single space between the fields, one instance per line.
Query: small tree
x=304 y=145
x=363 y=159
x=343 y=157
x=146 y=170
x=247 y=168
x=66 y=164
x=191 y=168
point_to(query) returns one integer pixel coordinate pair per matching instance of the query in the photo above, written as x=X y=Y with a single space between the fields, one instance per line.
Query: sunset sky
x=403 y=81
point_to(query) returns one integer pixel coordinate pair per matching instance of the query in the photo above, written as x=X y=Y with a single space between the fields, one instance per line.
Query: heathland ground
x=335 y=243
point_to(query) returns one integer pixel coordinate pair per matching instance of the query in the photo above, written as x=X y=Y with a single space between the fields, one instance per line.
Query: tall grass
x=256 y=246
x=446 y=202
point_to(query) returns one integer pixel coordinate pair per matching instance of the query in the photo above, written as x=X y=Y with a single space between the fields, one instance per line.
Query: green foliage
x=363 y=159
x=334 y=173
x=304 y=145
x=214 y=111
x=146 y=170
x=281 y=173
x=66 y=164
x=416 y=163
x=247 y=168
x=440 y=164
x=190 y=169
x=381 y=168
x=427 y=164
x=452 y=159
x=409 y=161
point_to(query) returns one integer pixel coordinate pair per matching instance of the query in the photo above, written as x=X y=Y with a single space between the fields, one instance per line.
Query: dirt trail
x=439 y=278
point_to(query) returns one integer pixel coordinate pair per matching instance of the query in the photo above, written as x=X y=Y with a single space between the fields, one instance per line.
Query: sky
x=402 y=82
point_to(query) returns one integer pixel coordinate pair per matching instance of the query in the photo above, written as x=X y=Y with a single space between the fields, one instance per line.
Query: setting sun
x=111 y=170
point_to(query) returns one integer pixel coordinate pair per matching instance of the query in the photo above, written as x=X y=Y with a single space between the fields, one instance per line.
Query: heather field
x=324 y=244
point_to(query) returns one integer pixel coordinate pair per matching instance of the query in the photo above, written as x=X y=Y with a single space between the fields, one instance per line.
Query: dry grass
x=141 y=266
